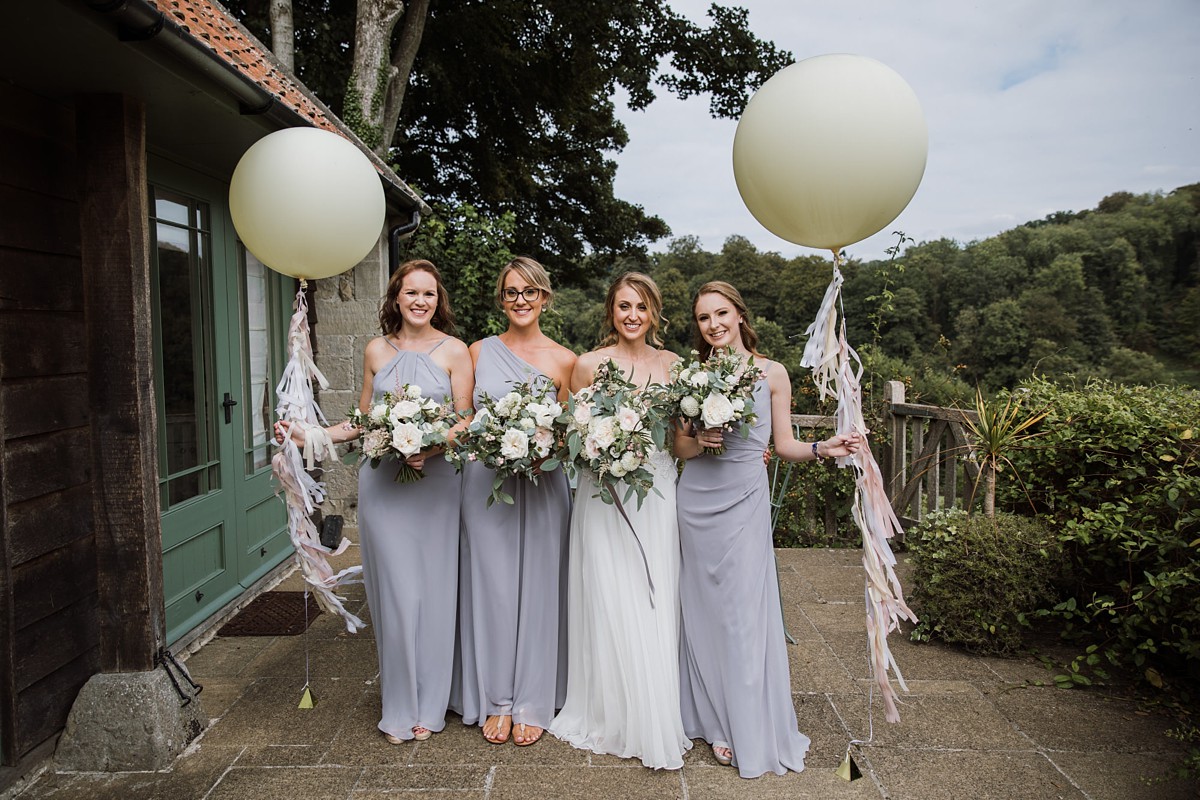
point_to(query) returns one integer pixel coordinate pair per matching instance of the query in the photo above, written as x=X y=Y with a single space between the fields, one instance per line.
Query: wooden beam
x=115 y=250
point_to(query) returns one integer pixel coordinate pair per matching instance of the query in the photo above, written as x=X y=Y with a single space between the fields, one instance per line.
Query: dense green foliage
x=1110 y=293
x=510 y=105
x=1117 y=472
x=976 y=580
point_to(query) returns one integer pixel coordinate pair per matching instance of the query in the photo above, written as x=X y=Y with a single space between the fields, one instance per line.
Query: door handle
x=228 y=404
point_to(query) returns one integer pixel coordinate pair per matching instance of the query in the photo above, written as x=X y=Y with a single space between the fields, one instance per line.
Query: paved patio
x=971 y=727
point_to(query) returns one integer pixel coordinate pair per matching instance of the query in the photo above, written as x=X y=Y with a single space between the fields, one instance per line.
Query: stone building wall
x=347 y=309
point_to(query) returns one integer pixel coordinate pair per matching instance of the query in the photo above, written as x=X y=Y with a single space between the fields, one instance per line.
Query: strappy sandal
x=421 y=734
x=523 y=742
x=724 y=758
x=503 y=729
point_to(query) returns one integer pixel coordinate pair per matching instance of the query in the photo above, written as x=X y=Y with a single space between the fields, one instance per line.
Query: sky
x=1032 y=106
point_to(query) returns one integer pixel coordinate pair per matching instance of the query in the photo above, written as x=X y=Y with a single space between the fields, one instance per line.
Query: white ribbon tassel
x=302 y=493
x=832 y=360
x=821 y=350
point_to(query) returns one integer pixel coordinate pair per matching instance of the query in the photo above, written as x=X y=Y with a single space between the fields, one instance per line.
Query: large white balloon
x=830 y=150
x=306 y=202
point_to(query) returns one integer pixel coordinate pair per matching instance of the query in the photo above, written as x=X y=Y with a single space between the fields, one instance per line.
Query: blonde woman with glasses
x=511 y=671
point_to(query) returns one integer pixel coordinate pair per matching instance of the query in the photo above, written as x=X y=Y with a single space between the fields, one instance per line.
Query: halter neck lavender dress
x=408 y=535
x=735 y=688
x=512 y=580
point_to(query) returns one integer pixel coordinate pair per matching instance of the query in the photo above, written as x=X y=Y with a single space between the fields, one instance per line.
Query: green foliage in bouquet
x=715 y=393
x=612 y=429
x=513 y=435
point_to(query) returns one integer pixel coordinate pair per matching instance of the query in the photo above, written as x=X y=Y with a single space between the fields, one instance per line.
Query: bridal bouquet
x=612 y=429
x=717 y=393
x=513 y=435
x=401 y=425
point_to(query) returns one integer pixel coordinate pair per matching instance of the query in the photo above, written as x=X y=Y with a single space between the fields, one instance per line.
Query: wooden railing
x=923 y=455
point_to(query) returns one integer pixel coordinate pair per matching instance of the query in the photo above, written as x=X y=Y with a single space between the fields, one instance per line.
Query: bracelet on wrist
x=816 y=452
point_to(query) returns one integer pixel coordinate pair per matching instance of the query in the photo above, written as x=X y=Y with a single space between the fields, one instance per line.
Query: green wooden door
x=219 y=321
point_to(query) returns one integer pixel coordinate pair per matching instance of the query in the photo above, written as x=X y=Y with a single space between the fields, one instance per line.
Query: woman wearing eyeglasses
x=511 y=666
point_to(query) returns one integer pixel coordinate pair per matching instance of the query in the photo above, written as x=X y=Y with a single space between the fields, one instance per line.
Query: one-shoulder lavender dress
x=408 y=535
x=735 y=688
x=512 y=604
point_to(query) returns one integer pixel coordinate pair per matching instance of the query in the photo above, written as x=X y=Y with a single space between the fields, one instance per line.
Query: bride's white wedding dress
x=622 y=651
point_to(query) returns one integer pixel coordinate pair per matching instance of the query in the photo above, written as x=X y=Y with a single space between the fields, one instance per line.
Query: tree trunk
x=283 y=33
x=372 y=72
x=402 y=62
x=989 y=491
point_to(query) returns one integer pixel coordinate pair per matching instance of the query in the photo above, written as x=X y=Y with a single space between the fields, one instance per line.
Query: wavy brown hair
x=647 y=289
x=390 y=318
x=726 y=290
x=533 y=273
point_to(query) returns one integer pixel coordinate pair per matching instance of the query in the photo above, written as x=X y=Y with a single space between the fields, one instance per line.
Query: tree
x=507 y=105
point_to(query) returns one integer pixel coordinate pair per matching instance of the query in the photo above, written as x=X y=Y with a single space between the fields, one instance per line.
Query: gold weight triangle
x=848 y=770
x=307 y=700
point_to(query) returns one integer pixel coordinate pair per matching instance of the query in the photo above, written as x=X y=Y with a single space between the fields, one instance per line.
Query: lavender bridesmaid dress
x=513 y=561
x=408 y=535
x=735 y=689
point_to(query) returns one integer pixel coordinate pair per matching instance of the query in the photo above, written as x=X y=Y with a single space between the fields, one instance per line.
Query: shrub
x=976 y=580
x=1118 y=469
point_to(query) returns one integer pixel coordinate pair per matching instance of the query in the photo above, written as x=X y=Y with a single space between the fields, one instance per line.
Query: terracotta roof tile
x=209 y=23
x=212 y=26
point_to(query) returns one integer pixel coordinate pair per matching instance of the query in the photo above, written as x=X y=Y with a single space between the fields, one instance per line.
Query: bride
x=622 y=650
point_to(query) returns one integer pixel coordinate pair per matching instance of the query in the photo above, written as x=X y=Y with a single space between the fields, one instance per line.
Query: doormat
x=273 y=614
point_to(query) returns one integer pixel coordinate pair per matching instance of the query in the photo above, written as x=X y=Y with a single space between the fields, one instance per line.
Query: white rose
x=627 y=418
x=690 y=406
x=508 y=404
x=616 y=469
x=514 y=444
x=543 y=413
x=739 y=404
x=527 y=424
x=716 y=411
x=379 y=412
x=590 y=448
x=699 y=379
x=406 y=438
x=481 y=419
x=630 y=461
x=543 y=440
x=413 y=391
x=604 y=431
x=404 y=409
x=583 y=414
x=430 y=404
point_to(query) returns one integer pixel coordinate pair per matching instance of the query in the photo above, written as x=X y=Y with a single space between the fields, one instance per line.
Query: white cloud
x=1032 y=108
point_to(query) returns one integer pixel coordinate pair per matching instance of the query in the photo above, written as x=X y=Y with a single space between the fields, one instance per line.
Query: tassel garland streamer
x=302 y=493
x=833 y=361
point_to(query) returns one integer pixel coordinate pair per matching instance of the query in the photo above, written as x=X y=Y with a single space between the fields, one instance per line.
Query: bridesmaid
x=735 y=691
x=511 y=665
x=408 y=533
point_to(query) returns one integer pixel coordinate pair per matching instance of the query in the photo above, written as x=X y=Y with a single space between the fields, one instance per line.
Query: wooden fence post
x=893 y=462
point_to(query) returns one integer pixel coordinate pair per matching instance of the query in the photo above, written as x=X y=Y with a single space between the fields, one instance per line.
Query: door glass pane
x=260 y=351
x=187 y=446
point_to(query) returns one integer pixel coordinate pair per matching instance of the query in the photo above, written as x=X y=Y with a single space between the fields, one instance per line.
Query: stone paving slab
x=970 y=727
